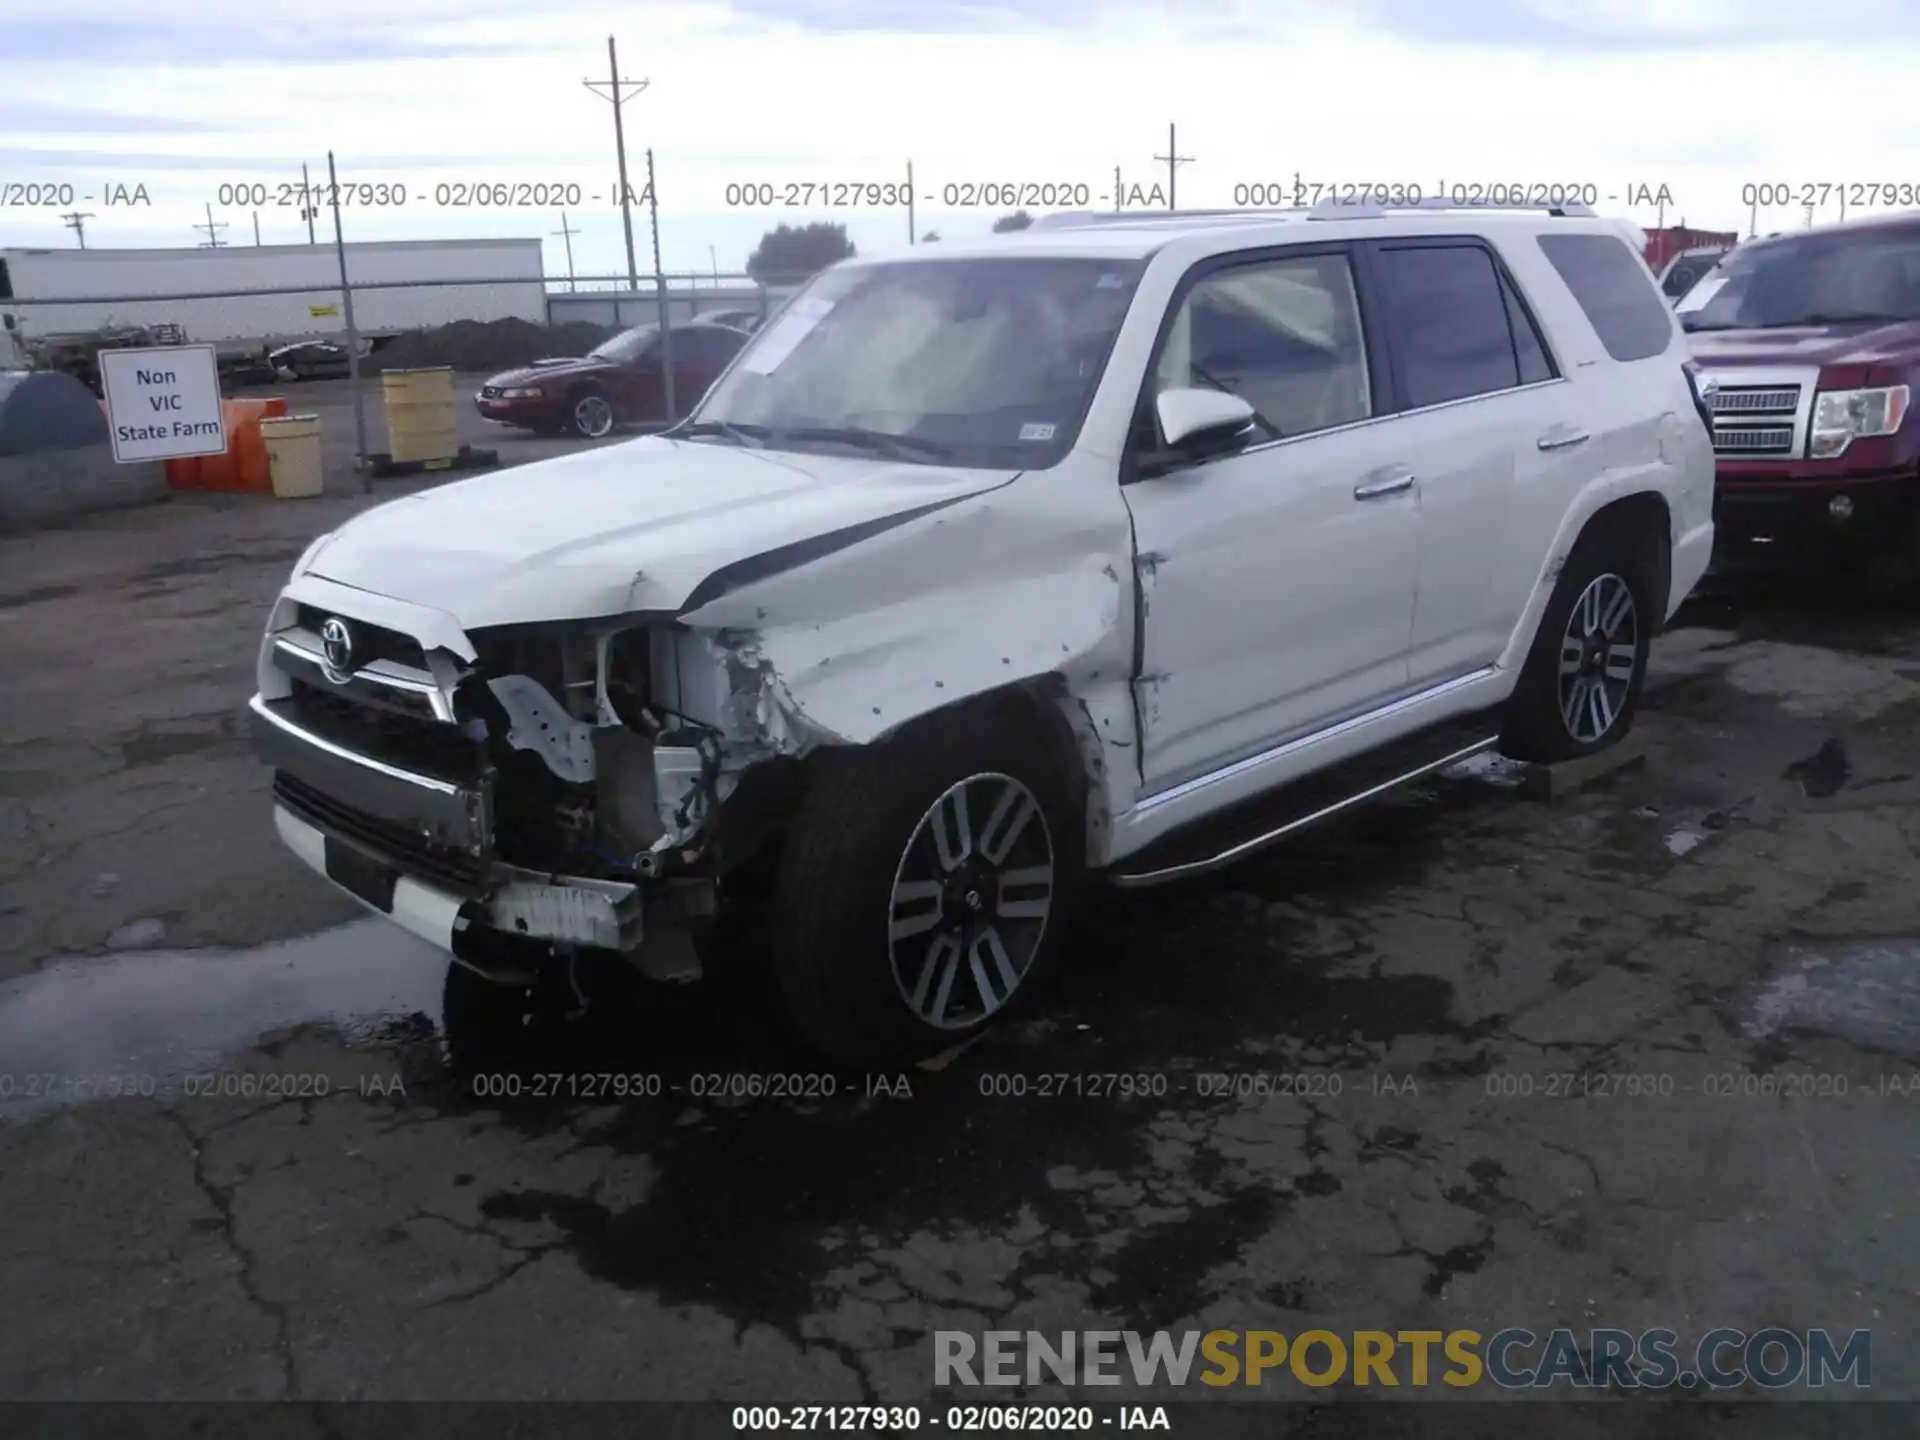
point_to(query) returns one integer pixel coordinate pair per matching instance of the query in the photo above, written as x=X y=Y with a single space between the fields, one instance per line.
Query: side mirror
x=1201 y=420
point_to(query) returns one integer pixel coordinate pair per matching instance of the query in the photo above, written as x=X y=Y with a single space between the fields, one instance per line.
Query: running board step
x=1260 y=821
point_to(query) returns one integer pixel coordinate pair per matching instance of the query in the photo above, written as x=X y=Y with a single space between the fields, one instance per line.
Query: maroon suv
x=1808 y=347
x=619 y=382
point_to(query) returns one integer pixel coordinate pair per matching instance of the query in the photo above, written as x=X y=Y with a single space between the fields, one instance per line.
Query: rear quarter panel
x=1646 y=437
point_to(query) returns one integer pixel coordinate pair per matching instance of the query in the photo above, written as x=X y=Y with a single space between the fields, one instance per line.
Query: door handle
x=1384 y=483
x=1563 y=439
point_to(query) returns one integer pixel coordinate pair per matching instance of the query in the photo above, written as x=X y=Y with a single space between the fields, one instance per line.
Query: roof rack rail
x=1076 y=219
x=1334 y=209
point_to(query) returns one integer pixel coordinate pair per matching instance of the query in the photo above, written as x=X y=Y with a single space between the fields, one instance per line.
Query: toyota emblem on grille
x=336 y=648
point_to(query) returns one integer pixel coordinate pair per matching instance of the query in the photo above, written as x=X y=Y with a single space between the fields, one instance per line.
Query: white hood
x=625 y=528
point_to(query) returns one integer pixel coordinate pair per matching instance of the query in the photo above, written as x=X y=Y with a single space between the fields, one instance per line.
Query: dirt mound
x=483 y=347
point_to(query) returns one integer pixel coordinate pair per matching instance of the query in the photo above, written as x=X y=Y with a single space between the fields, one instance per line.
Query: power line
x=77 y=222
x=616 y=90
x=1174 y=160
x=213 y=238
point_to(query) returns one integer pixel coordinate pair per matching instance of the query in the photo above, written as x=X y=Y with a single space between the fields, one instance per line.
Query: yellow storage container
x=293 y=455
x=420 y=414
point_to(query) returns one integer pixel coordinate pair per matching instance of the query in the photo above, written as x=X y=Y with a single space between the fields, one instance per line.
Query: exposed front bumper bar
x=455 y=816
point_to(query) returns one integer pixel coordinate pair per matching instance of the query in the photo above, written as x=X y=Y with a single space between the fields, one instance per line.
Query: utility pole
x=569 y=233
x=1174 y=160
x=713 y=259
x=309 y=206
x=353 y=336
x=1753 y=217
x=77 y=222
x=660 y=289
x=1808 y=207
x=617 y=90
x=1119 y=191
x=256 y=227
x=213 y=239
x=912 y=229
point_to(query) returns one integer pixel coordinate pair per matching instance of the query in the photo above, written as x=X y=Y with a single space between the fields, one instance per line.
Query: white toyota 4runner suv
x=1110 y=550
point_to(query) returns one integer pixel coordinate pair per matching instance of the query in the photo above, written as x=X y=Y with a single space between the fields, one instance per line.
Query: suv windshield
x=987 y=362
x=626 y=347
x=1816 y=280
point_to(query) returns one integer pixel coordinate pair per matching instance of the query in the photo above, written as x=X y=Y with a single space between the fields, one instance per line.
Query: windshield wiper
x=723 y=429
x=1838 y=317
x=1273 y=431
x=885 y=441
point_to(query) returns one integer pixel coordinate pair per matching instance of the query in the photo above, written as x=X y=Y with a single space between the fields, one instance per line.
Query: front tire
x=924 y=886
x=590 y=415
x=1580 y=686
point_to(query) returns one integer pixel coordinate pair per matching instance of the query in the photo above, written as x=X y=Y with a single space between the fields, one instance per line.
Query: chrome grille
x=1746 y=402
x=1755 y=421
x=1753 y=440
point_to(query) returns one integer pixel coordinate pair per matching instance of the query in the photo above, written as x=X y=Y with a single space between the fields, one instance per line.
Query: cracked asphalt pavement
x=1328 y=1088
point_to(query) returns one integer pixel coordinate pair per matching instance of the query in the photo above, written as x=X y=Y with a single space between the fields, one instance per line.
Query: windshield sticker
x=780 y=340
x=1699 y=295
x=1031 y=431
x=1109 y=281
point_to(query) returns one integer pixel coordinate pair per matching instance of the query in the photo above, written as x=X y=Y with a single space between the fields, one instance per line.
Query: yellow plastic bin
x=293 y=455
x=420 y=414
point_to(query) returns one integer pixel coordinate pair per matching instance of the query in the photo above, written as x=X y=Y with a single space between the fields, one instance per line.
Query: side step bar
x=1253 y=825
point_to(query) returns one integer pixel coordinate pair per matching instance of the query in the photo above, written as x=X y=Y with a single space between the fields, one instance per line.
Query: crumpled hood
x=1850 y=344
x=624 y=528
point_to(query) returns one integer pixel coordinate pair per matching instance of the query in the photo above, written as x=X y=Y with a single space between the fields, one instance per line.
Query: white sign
x=163 y=403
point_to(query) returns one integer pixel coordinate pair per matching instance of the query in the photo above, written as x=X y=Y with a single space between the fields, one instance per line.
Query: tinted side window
x=1448 y=313
x=705 y=346
x=1528 y=348
x=1283 y=334
x=6 y=284
x=1608 y=280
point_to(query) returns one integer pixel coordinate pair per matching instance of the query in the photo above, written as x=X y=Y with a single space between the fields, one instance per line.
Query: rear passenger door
x=1490 y=429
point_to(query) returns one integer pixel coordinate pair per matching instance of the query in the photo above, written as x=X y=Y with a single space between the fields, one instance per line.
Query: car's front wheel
x=924 y=886
x=591 y=416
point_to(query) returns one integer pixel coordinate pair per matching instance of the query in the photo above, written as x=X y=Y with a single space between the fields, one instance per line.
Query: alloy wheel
x=1599 y=654
x=593 y=416
x=970 y=901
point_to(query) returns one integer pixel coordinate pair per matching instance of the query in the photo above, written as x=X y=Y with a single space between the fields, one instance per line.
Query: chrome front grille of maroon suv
x=1756 y=422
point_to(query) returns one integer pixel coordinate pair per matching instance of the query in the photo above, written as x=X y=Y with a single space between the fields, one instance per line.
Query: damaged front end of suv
x=543 y=774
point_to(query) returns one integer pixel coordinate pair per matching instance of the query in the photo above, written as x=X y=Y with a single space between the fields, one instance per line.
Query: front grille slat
x=371 y=642
x=409 y=853
x=1756 y=421
x=427 y=746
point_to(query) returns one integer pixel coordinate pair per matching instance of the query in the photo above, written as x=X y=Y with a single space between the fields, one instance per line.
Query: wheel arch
x=1644 y=517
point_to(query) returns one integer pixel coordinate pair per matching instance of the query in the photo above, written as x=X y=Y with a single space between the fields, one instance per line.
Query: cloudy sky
x=1701 y=97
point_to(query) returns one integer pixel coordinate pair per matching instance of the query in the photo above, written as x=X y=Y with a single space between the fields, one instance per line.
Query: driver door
x=1277 y=580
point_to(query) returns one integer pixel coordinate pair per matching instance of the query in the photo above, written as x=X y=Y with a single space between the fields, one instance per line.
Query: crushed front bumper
x=419 y=849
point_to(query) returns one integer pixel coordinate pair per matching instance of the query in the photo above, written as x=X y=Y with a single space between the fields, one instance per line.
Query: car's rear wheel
x=1580 y=686
x=591 y=415
x=924 y=886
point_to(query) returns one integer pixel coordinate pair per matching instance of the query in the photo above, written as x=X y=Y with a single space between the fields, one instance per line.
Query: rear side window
x=1447 y=309
x=1528 y=349
x=1611 y=286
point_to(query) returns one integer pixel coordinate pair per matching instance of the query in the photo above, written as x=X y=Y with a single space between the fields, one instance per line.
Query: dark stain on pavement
x=1824 y=773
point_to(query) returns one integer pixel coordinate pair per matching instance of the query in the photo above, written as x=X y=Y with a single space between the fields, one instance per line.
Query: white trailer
x=241 y=297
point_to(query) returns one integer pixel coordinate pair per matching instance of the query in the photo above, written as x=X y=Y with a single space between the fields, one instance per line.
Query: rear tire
x=924 y=887
x=1580 y=686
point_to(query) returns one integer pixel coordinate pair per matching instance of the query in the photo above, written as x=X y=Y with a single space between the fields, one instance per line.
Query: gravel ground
x=1740 y=903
